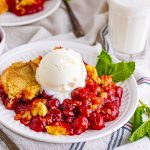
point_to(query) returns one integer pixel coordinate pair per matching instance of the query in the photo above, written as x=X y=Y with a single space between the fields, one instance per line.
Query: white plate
x=10 y=19
x=33 y=50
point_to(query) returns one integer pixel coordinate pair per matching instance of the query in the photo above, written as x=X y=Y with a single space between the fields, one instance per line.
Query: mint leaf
x=140 y=132
x=147 y=108
x=140 y=129
x=104 y=60
x=137 y=118
x=104 y=56
x=119 y=71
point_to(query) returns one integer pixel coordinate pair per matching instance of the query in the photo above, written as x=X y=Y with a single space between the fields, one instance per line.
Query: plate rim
x=34 y=19
x=22 y=48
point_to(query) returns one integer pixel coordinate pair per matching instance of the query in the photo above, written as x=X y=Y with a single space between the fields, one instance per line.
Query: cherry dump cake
x=88 y=107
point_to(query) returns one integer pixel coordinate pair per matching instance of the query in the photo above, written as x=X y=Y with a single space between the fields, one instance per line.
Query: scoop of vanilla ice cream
x=61 y=71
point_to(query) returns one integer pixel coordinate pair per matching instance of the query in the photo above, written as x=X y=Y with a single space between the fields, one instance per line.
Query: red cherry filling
x=37 y=124
x=110 y=111
x=85 y=111
x=22 y=106
x=69 y=108
x=93 y=88
x=54 y=115
x=89 y=108
x=80 y=124
x=69 y=104
x=110 y=91
x=69 y=119
x=80 y=93
x=21 y=10
x=119 y=91
x=96 y=121
x=53 y=103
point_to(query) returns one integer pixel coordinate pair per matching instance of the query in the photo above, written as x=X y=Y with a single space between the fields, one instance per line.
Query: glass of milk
x=129 y=24
x=2 y=40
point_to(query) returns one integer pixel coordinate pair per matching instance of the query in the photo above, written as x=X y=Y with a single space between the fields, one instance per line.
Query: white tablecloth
x=93 y=15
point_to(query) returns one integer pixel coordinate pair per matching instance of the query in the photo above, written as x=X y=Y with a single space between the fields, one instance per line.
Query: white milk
x=129 y=22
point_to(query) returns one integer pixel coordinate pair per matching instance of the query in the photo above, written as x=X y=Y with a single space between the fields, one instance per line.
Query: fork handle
x=77 y=28
x=10 y=144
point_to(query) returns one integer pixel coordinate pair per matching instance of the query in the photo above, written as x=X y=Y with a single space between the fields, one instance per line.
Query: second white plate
x=10 y=19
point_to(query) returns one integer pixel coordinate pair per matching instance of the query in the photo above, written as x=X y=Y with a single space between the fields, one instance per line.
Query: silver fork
x=10 y=144
x=77 y=28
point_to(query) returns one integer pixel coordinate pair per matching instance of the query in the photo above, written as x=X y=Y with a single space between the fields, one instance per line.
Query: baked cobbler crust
x=19 y=81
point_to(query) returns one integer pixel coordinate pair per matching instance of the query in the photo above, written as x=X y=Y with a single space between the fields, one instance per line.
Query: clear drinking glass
x=2 y=40
x=129 y=23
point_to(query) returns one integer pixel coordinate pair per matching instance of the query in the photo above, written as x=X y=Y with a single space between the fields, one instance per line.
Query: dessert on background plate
x=21 y=7
x=62 y=95
x=3 y=6
x=21 y=12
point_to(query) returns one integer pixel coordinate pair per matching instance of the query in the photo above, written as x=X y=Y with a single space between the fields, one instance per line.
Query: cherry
x=80 y=124
x=69 y=128
x=54 y=115
x=96 y=121
x=69 y=119
x=53 y=103
x=70 y=107
x=118 y=102
x=80 y=93
x=93 y=87
x=22 y=106
x=115 y=99
x=86 y=102
x=37 y=124
x=111 y=92
x=83 y=93
x=68 y=113
x=25 y=122
x=68 y=104
x=110 y=111
x=76 y=103
x=106 y=88
x=119 y=91
x=85 y=111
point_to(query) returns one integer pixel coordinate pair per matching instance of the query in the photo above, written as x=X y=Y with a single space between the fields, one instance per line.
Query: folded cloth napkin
x=93 y=17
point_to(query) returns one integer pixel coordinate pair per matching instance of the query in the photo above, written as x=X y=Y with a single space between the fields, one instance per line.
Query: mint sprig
x=140 y=128
x=143 y=130
x=119 y=71
x=138 y=120
x=104 y=60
